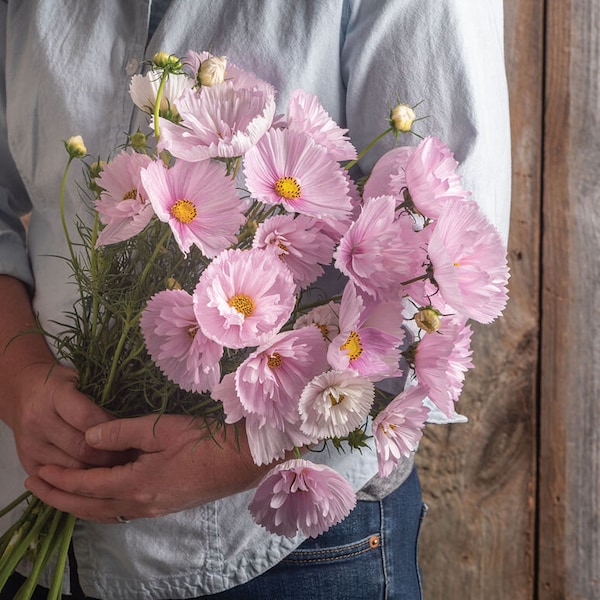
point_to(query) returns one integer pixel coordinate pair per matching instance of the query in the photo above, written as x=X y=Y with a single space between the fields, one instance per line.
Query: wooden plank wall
x=569 y=499
x=479 y=479
x=515 y=495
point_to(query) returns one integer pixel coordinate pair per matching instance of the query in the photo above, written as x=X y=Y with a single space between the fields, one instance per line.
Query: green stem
x=64 y=541
x=95 y=299
x=115 y=362
x=11 y=557
x=237 y=164
x=366 y=149
x=63 y=219
x=15 y=503
x=157 y=250
x=20 y=527
x=46 y=551
x=415 y=279
x=94 y=271
x=159 y=93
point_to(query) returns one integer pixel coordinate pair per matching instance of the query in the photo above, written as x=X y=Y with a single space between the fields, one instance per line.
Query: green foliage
x=101 y=336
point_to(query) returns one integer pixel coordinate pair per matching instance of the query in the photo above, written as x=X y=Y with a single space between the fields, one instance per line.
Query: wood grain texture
x=478 y=540
x=569 y=548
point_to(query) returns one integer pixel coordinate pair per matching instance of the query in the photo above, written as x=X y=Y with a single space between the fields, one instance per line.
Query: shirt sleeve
x=447 y=55
x=14 y=201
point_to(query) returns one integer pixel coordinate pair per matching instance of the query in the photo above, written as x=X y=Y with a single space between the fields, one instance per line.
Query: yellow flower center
x=388 y=428
x=243 y=304
x=336 y=398
x=353 y=346
x=274 y=360
x=324 y=330
x=184 y=211
x=288 y=187
x=130 y=195
x=192 y=330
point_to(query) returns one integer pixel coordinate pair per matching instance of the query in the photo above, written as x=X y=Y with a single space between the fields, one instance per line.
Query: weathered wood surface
x=569 y=499
x=478 y=540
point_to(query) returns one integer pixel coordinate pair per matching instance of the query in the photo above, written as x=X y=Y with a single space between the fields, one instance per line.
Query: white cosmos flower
x=143 y=90
x=335 y=403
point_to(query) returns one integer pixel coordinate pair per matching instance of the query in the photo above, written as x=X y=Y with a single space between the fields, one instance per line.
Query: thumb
x=124 y=434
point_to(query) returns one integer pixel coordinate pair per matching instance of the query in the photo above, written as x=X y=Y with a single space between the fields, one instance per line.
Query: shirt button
x=132 y=66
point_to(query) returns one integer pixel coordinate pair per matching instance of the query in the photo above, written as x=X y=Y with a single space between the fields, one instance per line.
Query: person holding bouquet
x=162 y=509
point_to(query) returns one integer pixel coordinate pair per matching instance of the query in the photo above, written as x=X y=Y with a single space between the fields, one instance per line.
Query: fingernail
x=93 y=436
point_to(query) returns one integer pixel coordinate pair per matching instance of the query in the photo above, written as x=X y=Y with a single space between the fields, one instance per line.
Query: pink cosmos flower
x=387 y=176
x=243 y=297
x=224 y=392
x=299 y=243
x=266 y=442
x=398 y=428
x=270 y=381
x=289 y=168
x=335 y=228
x=335 y=403
x=299 y=496
x=469 y=261
x=441 y=361
x=431 y=177
x=386 y=315
x=144 y=88
x=324 y=317
x=305 y=113
x=176 y=344
x=122 y=206
x=368 y=351
x=222 y=121
x=198 y=201
x=378 y=251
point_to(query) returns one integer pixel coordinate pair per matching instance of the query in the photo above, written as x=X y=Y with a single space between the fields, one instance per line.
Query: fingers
x=52 y=419
x=98 y=494
x=103 y=510
x=99 y=482
x=83 y=413
x=147 y=434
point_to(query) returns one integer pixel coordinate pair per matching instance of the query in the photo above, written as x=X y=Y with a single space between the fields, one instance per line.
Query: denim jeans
x=371 y=554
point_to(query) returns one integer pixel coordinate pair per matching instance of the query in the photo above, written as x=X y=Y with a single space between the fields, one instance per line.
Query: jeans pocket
x=320 y=554
x=344 y=571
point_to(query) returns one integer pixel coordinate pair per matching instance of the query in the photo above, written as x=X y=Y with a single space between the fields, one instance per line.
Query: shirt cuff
x=13 y=258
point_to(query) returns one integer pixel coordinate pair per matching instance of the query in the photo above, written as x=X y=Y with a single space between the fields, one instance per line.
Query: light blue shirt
x=67 y=69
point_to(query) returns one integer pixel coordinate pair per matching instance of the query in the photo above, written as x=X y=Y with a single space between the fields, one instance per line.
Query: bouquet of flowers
x=234 y=271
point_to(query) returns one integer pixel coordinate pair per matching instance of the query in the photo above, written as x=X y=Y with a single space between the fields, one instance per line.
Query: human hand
x=177 y=467
x=49 y=418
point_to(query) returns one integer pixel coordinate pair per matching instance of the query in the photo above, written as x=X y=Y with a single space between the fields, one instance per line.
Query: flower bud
x=94 y=171
x=402 y=118
x=75 y=147
x=428 y=319
x=162 y=60
x=96 y=168
x=212 y=70
x=138 y=141
x=173 y=284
